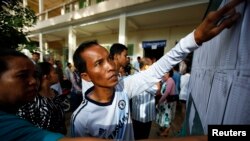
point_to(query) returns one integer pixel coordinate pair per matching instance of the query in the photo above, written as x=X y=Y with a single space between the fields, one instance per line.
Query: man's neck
x=102 y=95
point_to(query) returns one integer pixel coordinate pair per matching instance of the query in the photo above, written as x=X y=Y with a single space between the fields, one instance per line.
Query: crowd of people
x=31 y=92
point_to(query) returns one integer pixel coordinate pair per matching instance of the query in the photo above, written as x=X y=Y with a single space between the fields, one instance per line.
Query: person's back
x=68 y=71
x=143 y=107
x=137 y=65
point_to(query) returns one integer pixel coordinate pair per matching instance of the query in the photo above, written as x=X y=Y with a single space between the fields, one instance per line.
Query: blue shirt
x=14 y=128
x=177 y=80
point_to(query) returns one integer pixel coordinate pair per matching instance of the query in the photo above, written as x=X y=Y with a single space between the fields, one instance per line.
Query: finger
x=227 y=23
x=231 y=12
x=228 y=7
x=228 y=15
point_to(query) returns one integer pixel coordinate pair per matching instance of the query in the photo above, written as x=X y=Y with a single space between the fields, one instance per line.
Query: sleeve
x=15 y=128
x=137 y=83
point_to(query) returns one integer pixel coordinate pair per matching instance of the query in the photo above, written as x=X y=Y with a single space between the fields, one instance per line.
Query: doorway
x=154 y=53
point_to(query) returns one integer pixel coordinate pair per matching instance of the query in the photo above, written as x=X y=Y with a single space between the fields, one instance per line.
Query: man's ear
x=85 y=76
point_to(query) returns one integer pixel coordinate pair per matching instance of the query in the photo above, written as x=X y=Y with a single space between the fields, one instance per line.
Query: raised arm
x=211 y=26
x=216 y=21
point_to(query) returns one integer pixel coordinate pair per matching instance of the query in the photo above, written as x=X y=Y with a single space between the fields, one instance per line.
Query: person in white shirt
x=137 y=65
x=68 y=71
x=104 y=112
x=183 y=97
x=143 y=106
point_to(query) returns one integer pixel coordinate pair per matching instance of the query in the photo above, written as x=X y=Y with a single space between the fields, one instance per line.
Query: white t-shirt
x=112 y=120
x=85 y=86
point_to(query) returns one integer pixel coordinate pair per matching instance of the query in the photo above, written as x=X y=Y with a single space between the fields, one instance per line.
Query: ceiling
x=166 y=18
x=48 y=4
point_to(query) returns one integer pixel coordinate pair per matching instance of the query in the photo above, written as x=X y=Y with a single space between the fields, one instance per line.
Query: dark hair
x=189 y=65
x=58 y=62
x=43 y=68
x=66 y=84
x=188 y=69
x=176 y=67
x=37 y=53
x=171 y=73
x=116 y=48
x=141 y=64
x=79 y=62
x=5 y=56
x=68 y=64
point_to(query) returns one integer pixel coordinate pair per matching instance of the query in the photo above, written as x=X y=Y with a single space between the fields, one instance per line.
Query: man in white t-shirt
x=104 y=112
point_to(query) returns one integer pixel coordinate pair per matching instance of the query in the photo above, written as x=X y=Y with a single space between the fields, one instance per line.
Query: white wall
x=171 y=34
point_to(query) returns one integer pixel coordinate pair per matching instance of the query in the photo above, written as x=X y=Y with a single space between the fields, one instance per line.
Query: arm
x=208 y=29
x=215 y=22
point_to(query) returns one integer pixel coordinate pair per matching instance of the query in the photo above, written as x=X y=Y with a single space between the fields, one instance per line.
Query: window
x=130 y=49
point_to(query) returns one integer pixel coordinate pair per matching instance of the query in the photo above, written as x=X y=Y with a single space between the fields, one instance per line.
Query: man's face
x=122 y=58
x=18 y=83
x=36 y=57
x=100 y=68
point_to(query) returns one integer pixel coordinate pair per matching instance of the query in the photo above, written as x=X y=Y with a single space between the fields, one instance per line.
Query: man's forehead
x=20 y=64
x=94 y=51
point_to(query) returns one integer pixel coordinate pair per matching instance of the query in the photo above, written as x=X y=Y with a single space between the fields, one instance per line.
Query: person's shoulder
x=170 y=80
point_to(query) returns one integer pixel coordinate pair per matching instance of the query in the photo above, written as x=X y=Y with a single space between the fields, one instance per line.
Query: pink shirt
x=170 y=89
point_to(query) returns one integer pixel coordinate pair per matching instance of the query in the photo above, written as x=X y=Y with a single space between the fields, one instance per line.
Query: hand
x=215 y=22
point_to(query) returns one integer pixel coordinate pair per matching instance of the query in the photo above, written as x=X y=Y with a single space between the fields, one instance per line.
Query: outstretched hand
x=216 y=21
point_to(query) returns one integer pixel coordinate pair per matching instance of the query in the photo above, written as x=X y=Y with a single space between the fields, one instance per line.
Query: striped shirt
x=143 y=105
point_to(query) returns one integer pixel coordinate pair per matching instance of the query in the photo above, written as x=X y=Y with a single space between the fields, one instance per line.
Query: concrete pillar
x=122 y=29
x=71 y=43
x=41 y=46
x=25 y=3
x=41 y=6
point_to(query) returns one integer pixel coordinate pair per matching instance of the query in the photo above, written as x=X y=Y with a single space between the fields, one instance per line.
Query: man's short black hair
x=79 y=62
x=116 y=48
x=171 y=73
x=36 y=53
